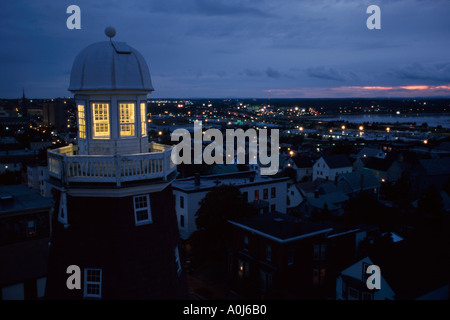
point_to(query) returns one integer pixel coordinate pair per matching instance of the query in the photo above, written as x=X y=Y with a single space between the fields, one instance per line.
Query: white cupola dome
x=110 y=65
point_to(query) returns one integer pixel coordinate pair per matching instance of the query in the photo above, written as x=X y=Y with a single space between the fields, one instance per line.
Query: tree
x=219 y=205
x=430 y=208
x=209 y=242
x=290 y=173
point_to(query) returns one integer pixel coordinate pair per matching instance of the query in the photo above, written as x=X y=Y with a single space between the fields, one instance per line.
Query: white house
x=351 y=284
x=295 y=196
x=411 y=281
x=37 y=179
x=328 y=167
x=190 y=191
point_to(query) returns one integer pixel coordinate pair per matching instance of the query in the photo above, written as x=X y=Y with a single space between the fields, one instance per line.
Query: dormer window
x=126 y=119
x=101 y=120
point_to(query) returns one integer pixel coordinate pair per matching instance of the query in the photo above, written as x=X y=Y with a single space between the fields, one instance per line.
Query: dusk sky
x=237 y=48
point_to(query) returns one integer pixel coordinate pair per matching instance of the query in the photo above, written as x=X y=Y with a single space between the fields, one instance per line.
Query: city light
x=361 y=128
x=388 y=129
x=343 y=127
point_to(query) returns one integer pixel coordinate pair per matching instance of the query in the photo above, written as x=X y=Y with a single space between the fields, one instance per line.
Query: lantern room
x=111 y=81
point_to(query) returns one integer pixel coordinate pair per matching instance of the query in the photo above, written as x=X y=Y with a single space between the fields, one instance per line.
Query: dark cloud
x=438 y=72
x=252 y=73
x=331 y=74
x=271 y=73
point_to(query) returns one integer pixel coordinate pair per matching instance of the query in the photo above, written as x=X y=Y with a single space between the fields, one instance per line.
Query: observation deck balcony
x=68 y=167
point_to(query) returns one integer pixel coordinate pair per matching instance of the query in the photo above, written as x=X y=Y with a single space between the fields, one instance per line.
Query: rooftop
x=238 y=179
x=15 y=198
x=281 y=227
x=337 y=161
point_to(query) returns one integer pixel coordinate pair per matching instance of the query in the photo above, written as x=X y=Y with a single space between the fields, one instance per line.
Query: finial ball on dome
x=110 y=32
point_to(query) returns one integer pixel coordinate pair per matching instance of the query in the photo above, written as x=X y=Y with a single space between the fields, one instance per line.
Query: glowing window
x=101 y=119
x=81 y=122
x=126 y=119
x=143 y=119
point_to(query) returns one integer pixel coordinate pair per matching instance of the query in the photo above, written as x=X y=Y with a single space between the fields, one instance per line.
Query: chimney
x=197 y=179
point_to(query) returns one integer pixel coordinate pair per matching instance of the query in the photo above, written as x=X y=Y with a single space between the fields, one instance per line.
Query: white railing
x=65 y=165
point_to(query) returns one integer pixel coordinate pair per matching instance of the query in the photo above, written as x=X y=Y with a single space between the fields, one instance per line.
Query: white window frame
x=107 y=122
x=138 y=210
x=131 y=121
x=87 y=282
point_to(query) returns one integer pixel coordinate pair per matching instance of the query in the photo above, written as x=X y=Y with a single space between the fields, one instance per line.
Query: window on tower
x=81 y=122
x=143 y=119
x=92 y=283
x=101 y=119
x=126 y=119
x=142 y=212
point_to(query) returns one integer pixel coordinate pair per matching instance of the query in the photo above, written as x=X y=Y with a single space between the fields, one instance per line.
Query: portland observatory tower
x=114 y=210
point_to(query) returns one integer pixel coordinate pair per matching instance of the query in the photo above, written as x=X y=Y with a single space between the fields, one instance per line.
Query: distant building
x=55 y=113
x=274 y=254
x=295 y=198
x=386 y=170
x=353 y=183
x=397 y=282
x=328 y=167
x=25 y=230
x=351 y=284
x=327 y=196
x=189 y=192
x=371 y=153
x=279 y=256
x=37 y=176
x=431 y=172
x=302 y=165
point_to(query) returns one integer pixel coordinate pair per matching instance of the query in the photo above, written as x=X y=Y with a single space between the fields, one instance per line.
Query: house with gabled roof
x=329 y=166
